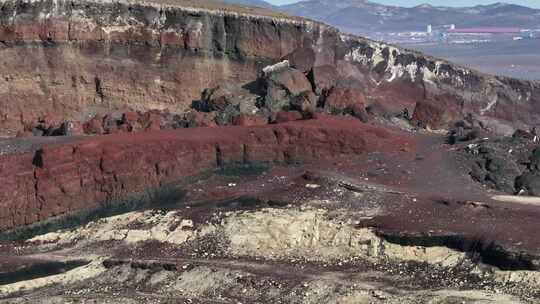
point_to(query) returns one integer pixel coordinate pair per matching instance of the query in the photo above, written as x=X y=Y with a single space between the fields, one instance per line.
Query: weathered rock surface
x=285 y=86
x=316 y=249
x=323 y=78
x=302 y=206
x=60 y=179
x=70 y=60
x=344 y=99
x=228 y=101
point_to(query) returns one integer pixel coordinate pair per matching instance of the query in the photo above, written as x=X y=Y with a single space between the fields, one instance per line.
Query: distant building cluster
x=454 y=34
x=485 y=30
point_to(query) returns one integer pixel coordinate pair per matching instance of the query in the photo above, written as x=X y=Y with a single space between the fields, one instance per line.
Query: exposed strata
x=68 y=60
x=443 y=92
x=87 y=172
x=365 y=210
x=395 y=217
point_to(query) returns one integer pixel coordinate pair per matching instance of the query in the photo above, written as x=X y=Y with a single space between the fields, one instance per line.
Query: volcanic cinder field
x=186 y=152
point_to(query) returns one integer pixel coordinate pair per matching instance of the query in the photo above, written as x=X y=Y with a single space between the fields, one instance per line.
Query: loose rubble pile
x=283 y=93
x=507 y=164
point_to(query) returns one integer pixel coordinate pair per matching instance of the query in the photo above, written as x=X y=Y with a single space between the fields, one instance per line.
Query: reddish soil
x=443 y=206
x=431 y=200
x=65 y=178
x=428 y=197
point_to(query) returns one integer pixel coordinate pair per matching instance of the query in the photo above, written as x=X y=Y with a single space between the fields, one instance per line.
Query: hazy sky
x=531 y=3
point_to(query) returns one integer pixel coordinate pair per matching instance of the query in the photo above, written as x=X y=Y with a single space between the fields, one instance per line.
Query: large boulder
x=359 y=111
x=228 y=101
x=195 y=119
x=534 y=159
x=66 y=128
x=323 y=78
x=151 y=121
x=72 y=128
x=223 y=96
x=502 y=173
x=111 y=123
x=529 y=183
x=305 y=102
x=465 y=130
x=496 y=168
x=342 y=100
x=131 y=120
x=283 y=84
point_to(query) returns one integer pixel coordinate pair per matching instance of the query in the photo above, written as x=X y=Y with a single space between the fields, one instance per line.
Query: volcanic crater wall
x=443 y=92
x=72 y=59
x=71 y=177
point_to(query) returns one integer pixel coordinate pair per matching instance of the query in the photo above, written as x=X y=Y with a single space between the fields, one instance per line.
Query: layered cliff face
x=85 y=173
x=442 y=92
x=296 y=152
x=71 y=59
x=68 y=60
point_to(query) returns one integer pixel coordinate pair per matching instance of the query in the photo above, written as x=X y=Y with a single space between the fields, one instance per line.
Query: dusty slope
x=290 y=235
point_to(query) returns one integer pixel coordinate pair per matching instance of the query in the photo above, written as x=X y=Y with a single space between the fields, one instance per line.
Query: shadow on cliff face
x=163 y=197
x=250 y=169
x=166 y=197
x=478 y=249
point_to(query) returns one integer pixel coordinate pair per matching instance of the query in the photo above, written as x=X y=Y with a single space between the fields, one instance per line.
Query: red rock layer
x=66 y=178
x=69 y=59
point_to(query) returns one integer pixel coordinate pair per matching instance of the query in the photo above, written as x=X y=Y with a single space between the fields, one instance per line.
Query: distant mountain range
x=362 y=16
x=258 y=3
